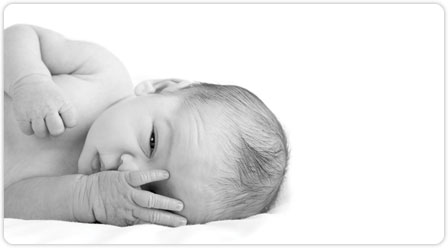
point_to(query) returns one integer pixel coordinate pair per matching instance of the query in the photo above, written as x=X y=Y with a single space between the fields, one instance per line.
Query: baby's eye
x=152 y=143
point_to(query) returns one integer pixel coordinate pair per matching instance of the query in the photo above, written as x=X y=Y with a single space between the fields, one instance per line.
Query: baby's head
x=249 y=150
x=226 y=152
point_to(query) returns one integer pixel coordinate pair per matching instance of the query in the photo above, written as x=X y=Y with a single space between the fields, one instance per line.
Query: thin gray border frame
x=275 y=3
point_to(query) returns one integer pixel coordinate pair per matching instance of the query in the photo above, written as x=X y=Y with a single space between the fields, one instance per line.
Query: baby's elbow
x=18 y=28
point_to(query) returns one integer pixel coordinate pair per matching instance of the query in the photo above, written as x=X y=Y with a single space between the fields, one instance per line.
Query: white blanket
x=258 y=229
x=251 y=230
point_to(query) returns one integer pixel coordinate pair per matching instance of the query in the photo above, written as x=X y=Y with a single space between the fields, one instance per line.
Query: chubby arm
x=109 y=197
x=43 y=198
x=22 y=56
x=31 y=50
x=35 y=58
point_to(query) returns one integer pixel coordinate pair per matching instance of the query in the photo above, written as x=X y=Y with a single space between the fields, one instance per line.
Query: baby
x=95 y=151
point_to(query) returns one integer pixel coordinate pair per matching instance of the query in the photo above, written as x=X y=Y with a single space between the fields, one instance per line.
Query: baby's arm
x=32 y=50
x=109 y=197
x=22 y=56
x=32 y=55
x=42 y=198
x=40 y=107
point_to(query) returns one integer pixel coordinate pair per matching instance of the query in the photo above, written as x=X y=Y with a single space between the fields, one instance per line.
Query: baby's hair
x=255 y=150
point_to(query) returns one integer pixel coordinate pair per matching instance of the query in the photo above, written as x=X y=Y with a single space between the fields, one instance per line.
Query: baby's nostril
x=127 y=163
x=125 y=158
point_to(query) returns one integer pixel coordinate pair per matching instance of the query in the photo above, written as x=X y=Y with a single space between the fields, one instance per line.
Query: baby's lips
x=95 y=166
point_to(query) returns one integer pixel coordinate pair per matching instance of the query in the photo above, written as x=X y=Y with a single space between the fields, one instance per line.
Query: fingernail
x=183 y=222
x=165 y=174
x=180 y=206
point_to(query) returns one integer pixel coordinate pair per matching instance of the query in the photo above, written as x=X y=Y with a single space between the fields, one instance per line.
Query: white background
x=358 y=88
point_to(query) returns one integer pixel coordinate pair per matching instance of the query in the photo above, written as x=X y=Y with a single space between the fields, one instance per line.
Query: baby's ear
x=144 y=88
x=161 y=85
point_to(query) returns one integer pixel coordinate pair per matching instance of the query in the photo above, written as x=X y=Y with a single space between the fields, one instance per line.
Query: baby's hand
x=40 y=107
x=117 y=199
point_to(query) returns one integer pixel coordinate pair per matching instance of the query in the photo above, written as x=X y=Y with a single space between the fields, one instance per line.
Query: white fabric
x=58 y=232
x=258 y=229
x=268 y=228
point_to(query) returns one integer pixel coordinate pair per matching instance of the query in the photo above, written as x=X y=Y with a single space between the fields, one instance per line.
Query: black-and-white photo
x=223 y=123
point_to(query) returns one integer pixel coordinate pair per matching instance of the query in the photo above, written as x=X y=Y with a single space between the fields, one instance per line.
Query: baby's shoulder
x=92 y=94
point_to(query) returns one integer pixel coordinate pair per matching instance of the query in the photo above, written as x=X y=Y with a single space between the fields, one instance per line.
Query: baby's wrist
x=82 y=207
x=30 y=80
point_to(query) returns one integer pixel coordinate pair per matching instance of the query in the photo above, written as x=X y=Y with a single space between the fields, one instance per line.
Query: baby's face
x=157 y=134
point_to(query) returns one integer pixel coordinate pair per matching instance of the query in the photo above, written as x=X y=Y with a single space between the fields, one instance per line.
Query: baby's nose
x=108 y=162
x=127 y=163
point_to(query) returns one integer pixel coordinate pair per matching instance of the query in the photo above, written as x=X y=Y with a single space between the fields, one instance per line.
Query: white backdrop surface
x=359 y=89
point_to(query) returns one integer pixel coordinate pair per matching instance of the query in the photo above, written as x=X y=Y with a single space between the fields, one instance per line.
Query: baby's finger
x=25 y=127
x=159 y=217
x=68 y=114
x=147 y=199
x=138 y=178
x=39 y=127
x=54 y=124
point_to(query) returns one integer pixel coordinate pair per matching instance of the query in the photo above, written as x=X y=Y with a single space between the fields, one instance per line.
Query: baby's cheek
x=155 y=187
x=150 y=187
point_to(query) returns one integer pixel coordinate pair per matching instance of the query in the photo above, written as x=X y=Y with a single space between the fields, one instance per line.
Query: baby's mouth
x=102 y=166
x=97 y=164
